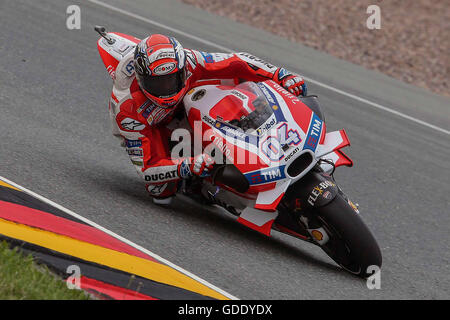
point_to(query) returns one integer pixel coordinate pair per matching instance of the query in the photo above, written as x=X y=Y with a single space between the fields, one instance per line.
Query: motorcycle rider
x=149 y=85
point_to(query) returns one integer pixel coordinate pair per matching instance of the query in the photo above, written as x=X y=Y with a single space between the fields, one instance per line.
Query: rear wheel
x=351 y=244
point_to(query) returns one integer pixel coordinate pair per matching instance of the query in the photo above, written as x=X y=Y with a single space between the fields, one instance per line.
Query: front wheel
x=351 y=244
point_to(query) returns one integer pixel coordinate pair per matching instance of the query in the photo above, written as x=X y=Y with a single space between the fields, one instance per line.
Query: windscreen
x=262 y=110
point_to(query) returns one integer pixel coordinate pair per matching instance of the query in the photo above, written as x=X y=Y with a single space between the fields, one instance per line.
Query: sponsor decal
x=223 y=147
x=273 y=102
x=237 y=133
x=354 y=207
x=319 y=190
x=256 y=60
x=198 y=95
x=157 y=189
x=135 y=152
x=314 y=131
x=266 y=92
x=131 y=125
x=138 y=163
x=143 y=106
x=286 y=93
x=147 y=111
x=157 y=115
x=229 y=131
x=217 y=57
x=111 y=71
x=207 y=56
x=162 y=54
x=190 y=92
x=266 y=175
x=282 y=73
x=129 y=68
x=266 y=126
x=317 y=235
x=165 y=68
x=208 y=120
x=290 y=155
x=239 y=94
x=133 y=143
x=162 y=176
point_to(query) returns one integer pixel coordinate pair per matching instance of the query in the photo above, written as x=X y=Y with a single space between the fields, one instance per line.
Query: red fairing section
x=300 y=112
x=345 y=142
x=343 y=160
x=264 y=229
x=228 y=108
x=108 y=60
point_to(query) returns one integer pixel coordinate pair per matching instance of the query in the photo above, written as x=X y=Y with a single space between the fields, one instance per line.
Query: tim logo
x=315 y=129
x=266 y=175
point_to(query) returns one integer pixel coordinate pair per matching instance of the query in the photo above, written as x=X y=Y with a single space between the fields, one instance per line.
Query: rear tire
x=351 y=244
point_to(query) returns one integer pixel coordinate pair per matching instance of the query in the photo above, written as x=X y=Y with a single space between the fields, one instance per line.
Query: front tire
x=351 y=244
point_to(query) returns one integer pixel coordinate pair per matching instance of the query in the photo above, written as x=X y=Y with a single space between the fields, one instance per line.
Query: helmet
x=160 y=64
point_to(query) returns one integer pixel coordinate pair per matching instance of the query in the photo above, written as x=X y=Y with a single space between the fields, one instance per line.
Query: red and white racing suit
x=143 y=126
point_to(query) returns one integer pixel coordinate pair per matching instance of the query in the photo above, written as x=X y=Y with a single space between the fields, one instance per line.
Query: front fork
x=298 y=209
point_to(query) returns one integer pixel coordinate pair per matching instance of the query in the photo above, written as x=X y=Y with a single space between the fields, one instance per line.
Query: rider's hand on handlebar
x=294 y=84
x=200 y=165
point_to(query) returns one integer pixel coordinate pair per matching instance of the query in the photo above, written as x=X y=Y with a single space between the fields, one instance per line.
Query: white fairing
x=261 y=211
x=211 y=97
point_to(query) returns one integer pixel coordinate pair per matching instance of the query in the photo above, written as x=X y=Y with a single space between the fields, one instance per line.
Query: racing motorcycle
x=278 y=166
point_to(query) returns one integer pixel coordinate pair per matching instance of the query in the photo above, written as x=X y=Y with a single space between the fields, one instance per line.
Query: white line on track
x=136 y=246
x=218 y=46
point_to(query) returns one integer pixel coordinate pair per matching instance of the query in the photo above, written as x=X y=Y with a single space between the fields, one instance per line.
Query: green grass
x=22 y=279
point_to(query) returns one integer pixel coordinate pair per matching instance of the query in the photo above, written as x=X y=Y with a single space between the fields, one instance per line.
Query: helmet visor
x=163 y=86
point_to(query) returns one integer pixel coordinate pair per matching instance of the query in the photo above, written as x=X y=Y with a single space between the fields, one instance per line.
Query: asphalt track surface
x=56 y=140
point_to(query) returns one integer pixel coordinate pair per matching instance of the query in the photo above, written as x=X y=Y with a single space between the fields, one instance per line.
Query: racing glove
x=200 y=165
x=294 y=84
